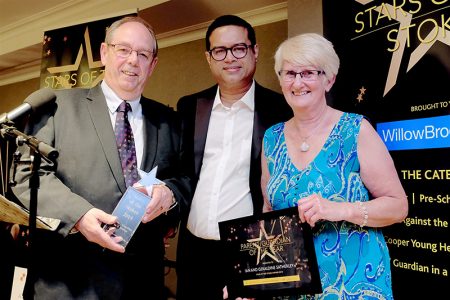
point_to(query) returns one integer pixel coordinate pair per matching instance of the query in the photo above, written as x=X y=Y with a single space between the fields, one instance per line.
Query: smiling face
x=127 y=75
x=232 y=73
x=301 y=93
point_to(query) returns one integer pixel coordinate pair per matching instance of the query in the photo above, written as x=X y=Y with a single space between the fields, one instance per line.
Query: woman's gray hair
x=308 y=49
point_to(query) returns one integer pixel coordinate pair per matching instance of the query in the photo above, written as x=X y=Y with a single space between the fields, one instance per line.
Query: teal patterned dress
x=354 y=262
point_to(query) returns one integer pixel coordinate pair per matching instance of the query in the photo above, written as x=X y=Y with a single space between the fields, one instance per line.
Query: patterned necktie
x=125 y=144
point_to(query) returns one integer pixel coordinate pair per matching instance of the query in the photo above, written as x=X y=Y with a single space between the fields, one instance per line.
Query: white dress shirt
x=134 y=117
x=223 y=190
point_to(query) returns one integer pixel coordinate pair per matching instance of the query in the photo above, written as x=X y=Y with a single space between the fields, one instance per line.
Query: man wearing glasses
x=222 y=134
x=104 y=135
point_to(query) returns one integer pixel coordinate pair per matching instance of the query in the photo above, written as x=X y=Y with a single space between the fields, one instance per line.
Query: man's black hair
x=226 y=20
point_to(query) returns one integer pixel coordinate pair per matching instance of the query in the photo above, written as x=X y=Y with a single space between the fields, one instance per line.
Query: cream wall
x=13 y=94
x=305 y=16
x=182 y=69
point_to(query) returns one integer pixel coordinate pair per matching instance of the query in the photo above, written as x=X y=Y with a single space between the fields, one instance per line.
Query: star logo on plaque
x=265 y=244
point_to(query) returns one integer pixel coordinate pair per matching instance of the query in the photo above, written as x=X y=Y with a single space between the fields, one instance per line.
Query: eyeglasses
x=238 y=51
x=124 y=51
x=307 y=75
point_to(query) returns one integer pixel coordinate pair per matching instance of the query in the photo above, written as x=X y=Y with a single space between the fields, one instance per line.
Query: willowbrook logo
x=416 y=134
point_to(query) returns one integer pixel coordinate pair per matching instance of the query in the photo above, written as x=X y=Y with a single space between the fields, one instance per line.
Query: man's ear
x=152 y=66
x=208 y=57
x=103 y=52
x=256 y=51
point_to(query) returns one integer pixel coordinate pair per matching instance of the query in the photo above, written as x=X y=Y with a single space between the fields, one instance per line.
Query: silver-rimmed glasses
x=307 y=75
x=238 y=51
x=125 y=51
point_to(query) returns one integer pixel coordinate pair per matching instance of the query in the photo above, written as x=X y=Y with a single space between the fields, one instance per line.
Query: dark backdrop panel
x=368 y=40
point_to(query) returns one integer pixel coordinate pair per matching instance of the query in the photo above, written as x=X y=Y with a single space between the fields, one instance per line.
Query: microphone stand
x=34 y=183
x=47 y=151
x=38 y=150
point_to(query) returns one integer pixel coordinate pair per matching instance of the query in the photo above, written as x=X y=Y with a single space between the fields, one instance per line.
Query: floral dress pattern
x=354 y=262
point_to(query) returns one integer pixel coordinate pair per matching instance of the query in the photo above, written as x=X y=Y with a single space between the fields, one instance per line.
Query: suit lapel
x=150 y=136
x=258 y=126
x=100 y=118
x=202 y=116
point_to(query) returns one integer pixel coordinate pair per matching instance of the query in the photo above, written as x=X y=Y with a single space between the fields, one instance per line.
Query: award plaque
x=270 y=255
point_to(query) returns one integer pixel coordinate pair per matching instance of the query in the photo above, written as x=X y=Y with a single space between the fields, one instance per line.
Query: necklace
x=304 y=147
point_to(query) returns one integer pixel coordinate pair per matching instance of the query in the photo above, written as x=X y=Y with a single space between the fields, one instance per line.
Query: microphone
x=33 y=102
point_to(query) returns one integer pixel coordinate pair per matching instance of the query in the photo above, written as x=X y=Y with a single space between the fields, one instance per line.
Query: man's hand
x=225 y=295
x=90 y=225
x=162 y=199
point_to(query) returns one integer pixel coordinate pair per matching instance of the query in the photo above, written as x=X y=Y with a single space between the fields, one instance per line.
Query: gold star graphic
x=359 y=98
x=263 y=236
x=272 y=254
x=362 y=90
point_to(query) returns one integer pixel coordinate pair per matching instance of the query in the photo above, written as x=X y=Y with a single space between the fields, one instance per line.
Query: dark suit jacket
x=88 y=174
x=195 y=112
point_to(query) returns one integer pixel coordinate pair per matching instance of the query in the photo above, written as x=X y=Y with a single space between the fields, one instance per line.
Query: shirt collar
x=113 y=101
x=248 y=99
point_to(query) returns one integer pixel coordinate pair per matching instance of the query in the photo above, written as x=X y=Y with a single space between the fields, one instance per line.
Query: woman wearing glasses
x=336 y=169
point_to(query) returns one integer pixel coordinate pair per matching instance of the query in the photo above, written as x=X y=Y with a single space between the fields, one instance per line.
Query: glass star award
x=131 y=207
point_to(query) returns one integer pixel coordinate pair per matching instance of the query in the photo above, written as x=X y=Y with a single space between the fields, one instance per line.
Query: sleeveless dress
x=354 y=262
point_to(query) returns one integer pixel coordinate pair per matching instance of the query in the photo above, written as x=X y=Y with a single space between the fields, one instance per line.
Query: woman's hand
x=315 y=208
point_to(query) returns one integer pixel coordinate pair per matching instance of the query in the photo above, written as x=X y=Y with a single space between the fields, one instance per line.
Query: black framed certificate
x=270 y=255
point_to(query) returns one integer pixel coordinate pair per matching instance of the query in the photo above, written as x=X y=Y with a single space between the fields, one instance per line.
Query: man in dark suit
x=80 y=260
x=223 y=127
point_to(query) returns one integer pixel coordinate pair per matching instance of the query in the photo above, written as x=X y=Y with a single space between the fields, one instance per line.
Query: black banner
x=395 y=69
